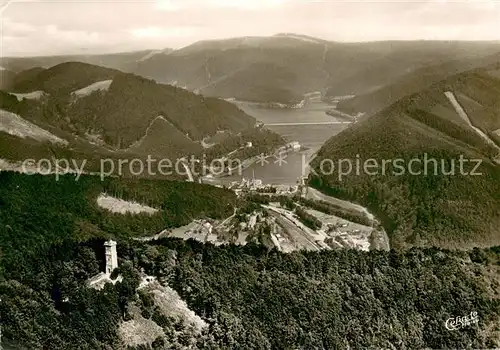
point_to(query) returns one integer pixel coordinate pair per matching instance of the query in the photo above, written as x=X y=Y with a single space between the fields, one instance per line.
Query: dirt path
x=461 y=112
x=317 y=195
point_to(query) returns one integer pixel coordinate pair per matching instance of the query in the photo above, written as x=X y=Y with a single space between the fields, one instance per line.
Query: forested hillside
x=61 y=79
x=125 y=112
x=131 y=116
x=253 y=298
x=122 y=114
x=37 y=211
x=262 y=139
x=259 y=82
x=443 y=221
x=6 y=78
x=51 y=235
x=441 y=208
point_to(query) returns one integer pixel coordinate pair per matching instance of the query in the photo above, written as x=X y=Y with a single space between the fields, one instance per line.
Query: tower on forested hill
x=111 y=256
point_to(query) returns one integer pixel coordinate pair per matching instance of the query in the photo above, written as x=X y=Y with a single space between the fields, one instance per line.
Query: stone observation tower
x=99 y=280
x=111 y=257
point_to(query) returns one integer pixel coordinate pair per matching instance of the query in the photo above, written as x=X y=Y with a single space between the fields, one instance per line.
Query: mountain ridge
x=334 y=68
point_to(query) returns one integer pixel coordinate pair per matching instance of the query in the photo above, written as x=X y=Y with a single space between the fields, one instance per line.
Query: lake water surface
x=310 y=136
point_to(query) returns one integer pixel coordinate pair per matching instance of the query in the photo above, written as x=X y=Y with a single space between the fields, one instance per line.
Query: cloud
x=15 y=28
x=177 y=5
x=20 y=38
x=71 y=36
x=57 y=27
x=168 y=5
x=163 y=32
x=247 y=4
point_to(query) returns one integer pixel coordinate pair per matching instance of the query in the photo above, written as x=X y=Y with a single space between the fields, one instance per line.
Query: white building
x=111 y=256
x=252 y=222
x=208 y=226
x=256 y=183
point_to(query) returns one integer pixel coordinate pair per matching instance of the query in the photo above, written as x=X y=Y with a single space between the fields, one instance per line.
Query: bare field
x=120 y=206
x=97 y=86
x=34 y=95
x=14 y=125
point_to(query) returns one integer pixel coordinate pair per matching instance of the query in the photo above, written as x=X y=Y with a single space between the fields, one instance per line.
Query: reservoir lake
x=310 y=136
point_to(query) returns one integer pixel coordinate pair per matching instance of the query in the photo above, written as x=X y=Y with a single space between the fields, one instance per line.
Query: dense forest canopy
x=51 y=236
x=37 y=211
x=253 y=298
x=445 y=206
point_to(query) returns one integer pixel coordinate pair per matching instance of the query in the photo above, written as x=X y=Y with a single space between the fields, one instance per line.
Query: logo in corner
x=456 y=323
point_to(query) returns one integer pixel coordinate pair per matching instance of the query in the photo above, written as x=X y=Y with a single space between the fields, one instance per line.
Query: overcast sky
x=43 y=27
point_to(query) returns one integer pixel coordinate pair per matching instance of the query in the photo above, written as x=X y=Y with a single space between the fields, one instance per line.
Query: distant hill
x=259 y=82
x=237 y=67
x=360 y=68
x=6 y=77
x=61 y=79
x=410 y=83
x=124 y=61
x=282 y=67
x=445 y=210
x=240 y=66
